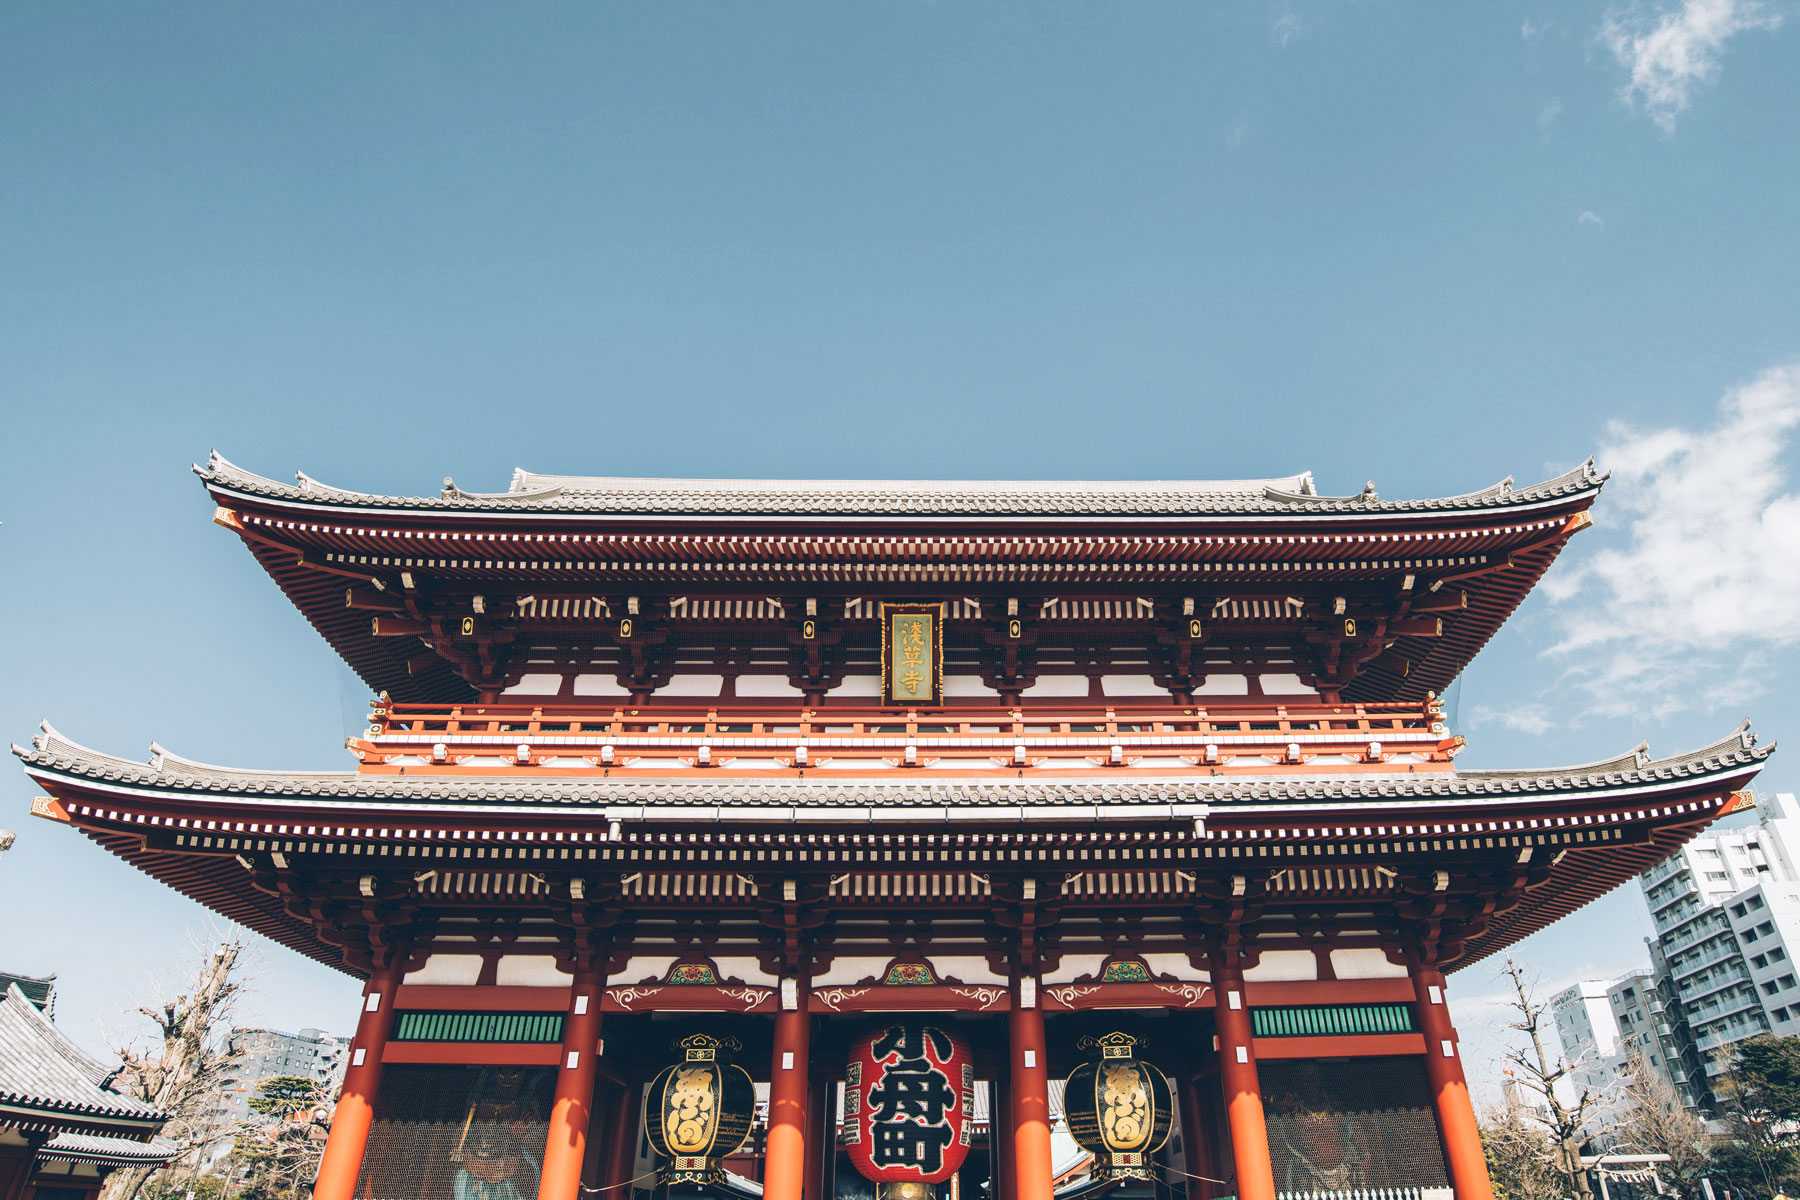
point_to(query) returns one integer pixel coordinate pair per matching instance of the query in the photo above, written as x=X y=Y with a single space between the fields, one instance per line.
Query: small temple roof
x=58 y=1085
x=113 y=1151
x=618 y=495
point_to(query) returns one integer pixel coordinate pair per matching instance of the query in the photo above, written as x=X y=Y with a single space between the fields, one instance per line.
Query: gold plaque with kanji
x=912 y=654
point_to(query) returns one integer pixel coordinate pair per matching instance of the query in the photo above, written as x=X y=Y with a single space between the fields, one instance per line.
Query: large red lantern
x=908 y=1097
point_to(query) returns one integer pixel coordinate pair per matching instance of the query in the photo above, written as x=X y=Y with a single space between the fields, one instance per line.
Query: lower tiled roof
x=52 y=755
x=44 y=1072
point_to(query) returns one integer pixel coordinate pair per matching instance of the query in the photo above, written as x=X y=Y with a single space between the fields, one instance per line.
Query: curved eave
x=283 y=524
x=1665 y=801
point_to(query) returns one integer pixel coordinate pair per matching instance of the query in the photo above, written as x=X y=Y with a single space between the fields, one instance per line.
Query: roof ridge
x=656 y=495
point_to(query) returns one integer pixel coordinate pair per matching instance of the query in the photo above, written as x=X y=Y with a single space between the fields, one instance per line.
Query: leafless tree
x=1520 y=1156
x=182 y=1069
x=1655 y=1121
x=1566 y=1122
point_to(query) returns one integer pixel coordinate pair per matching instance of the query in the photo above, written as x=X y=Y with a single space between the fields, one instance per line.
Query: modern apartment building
x=266 y=1053
x=1726 y=911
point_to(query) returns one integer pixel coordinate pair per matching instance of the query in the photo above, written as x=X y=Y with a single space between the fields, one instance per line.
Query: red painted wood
x=1457 y=1127
x=355 y=1112
x=565 y=1147
x=1243 y=1095
x=789 y=1121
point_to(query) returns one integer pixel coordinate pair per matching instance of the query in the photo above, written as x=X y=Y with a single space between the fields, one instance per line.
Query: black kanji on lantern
x=908 y=1144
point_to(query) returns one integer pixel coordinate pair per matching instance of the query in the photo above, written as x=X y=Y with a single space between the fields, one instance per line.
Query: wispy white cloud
x=1533 y=719
x=1706 y=580
x=1590 y=217
x=1237 y=133
x=1670 y=52
x=1531 y=30
x=1285 y=22
x=1547 y=115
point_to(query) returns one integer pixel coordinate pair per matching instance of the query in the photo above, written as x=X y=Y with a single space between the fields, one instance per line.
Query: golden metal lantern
x=698 y=1110
x=1118 y=1107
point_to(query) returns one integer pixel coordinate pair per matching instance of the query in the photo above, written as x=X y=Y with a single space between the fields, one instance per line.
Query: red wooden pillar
x=1457 y=1128
x=1196 y=1143
x=1028 y=1106
x=784 y=1163
x=566 y=1145
x=1000 y=1147
x=1243 y=1091
x=622 y=1142
x=342 y=1161
x=821 y=1138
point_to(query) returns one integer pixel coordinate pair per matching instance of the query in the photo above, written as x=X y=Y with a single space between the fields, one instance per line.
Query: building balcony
x=1707 y=987
x=745 y=736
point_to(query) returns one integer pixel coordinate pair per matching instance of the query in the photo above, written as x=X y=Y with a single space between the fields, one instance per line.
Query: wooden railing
x=706 y=735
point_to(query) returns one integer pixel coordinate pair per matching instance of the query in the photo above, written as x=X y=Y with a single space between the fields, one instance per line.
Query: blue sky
x=1429 y=245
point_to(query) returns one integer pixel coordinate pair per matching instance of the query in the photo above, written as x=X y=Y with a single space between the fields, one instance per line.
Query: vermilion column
x=565 y=1147
x=1000 y=1147
x=1196 y=1146
x=821 y=1095
x=1243 y=1091
x=784 y=1163
x=1028 y=1105
x=622 y=1142
x=1457 y=1128
x=349 y=1137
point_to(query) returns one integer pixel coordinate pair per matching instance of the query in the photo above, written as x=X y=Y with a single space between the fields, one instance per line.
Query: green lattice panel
x=507 y=1028
x=1332 y=1020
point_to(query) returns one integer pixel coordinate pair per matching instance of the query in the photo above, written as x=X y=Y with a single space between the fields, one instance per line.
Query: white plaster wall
x=1285 y=685
x=1224 y=685
x=1178 y=966
x=530 y=970
x=747 y=969
x=599 y=685
x=692 y=685
x=766 y=685
x=448 y=968
x=966 y=968
x=1131 y=685
x=535 y=685
x=849 y=970
x=1365 y=964
x=1073 y=967
x=644 y=968
x=1282 y=965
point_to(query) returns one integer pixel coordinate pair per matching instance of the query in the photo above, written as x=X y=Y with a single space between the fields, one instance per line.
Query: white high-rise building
x=1726 y=910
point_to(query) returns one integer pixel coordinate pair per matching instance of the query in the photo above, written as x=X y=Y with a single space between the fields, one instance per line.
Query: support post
x=1000 y=1141
x=622 y=1142
x=821 y=1139
x=341 y=1164
x=1028 y=1107
x=784 y=1164
x=1243 y=1090
x=1457 y=1128
x=1196 y=1144
x=565 y=1147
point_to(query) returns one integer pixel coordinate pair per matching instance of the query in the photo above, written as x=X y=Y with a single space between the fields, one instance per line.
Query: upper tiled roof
x=578 y=494
x=42 y=1070
x=52 y=754
x=41 y=992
